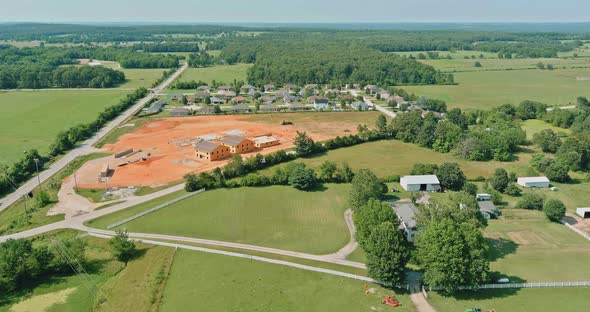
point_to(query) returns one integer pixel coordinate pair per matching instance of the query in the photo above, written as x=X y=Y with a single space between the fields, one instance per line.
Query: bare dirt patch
x=527 y=238
x=171 y=156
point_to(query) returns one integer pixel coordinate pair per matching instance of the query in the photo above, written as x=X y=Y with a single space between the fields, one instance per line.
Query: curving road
x=86 y=146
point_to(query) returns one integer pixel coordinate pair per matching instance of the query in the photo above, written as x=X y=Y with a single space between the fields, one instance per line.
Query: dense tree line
x=317 y=62
x=167 y=47
x=201 y=59
x=37 y=77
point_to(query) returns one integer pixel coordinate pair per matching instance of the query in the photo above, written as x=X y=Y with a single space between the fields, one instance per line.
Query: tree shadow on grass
x=318 y=188
x=500 y=248
x=483 y=294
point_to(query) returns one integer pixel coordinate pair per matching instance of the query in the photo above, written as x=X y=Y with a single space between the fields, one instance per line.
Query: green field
x=31 y=119
x=391 y=157
x=220 y=73
x=206 y=282
x=458 y=54
x=277 y=216
x=533 y=126
x=464 y=65
x=136 y=77
x=486 y=89
x=528 y=247
x=573 y=299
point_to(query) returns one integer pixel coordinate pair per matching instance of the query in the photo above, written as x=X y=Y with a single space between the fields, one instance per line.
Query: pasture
x=136 y=77
x=533 y=126
x=392 y=157
x=486 y=89
x=31 y=119
x=276 y=216
x=487 y=64
x=208 y=282
x=220 y=73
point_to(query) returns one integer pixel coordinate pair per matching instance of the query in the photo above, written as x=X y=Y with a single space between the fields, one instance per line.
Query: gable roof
x=321 y=100
x=407 y=213
x=206 y=146
x=533 y=180
x=487 y=206
x=240 y=107
x=181 y=110
x=420 y=179
x=232 y=140
x=268 y=107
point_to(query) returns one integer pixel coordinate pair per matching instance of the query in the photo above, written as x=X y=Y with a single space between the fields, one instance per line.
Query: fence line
x=143 y=213
x=520 y=285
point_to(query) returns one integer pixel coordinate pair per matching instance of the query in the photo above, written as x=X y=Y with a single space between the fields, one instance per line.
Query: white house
x=420 y=183
x=583 y=212
x=406 y=213
x=533 y=182
x=321 y=104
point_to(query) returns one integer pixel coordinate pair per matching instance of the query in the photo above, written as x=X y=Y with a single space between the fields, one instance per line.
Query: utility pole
x=37 y=167
x=75 y=181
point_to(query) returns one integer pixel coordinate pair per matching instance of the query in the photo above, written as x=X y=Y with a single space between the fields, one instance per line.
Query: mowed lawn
x=486 y=89
x=528 y=247
x=136 y=77
x=567 y=299
x=31 y=119
x=277 y=216
x=209 y=282
x=220 y=73
x=533 y=126
x=392 y=157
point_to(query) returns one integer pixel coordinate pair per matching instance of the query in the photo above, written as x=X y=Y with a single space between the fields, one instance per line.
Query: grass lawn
x=317 y=122
x=220 y=73
x=207 y=282
x=528 y=247
x=136 y=77
x=277 y=216
x=12 y=219
x=124 y=288
x=482 y=90
x=391 y=157
x=533 y=126
x=571 y=299
x=358 y=255
x=459 y=54
x=31 y=119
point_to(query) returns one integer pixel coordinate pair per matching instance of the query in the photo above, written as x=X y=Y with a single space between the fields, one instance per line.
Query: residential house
x=312 y=98
x=204 y=89
x=383 y=95
x=156 y=107
x=267 y=99
x=488 y=209
x=310 y=86
x=290 y=99
x=226 y=94
x=237 y=144
x=406 y=213
x=360 y=105
x=265 y=141
x=372 y=89
x=398 y=100
x=416 y=183
x=282 y=93
x=297 y=107
x=269 y=87
x=201 y=95
x=174 y=96
x=347 y=97
x=248 y=88
x=240 y=108
x=211 y=151
x=216 y=100
x=290 y=86
x=179 y=111
x=239 y=99
x=268 y=108
x=533 y=181
x=206 y=110
x=321 y=104
x=224 y=88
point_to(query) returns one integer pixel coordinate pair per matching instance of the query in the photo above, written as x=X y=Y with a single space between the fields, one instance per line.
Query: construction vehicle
x=391 y=301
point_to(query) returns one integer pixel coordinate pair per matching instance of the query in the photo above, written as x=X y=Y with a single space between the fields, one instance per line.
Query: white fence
x=520 y=285
x=141 y=214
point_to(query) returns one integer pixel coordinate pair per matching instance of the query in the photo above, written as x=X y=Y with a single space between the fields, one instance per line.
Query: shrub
x=531 y=201
x=512 y=189
x=254 y=179
x=470 y=189
x=554 y=209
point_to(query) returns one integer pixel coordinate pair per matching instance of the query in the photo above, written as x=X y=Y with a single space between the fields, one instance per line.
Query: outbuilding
x=583 y=212
x=417 y=183
x=488 y=209
x=533 y=182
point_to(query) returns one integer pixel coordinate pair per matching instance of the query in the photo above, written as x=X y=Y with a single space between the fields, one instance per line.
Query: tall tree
x=387 y=254
x=365 y=186
x=451 y=176
x=500 y=180
x=304 y=145
x=122 y=247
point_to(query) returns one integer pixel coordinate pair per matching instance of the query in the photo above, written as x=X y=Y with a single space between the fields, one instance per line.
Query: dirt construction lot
x=171 y=156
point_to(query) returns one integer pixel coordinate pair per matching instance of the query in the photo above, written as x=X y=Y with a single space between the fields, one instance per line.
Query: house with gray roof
x=268 y=108
x=360 y=105
x=488 y=209
x=179 y=111
x=156 y=107
x=406 y=213
x=240 y=108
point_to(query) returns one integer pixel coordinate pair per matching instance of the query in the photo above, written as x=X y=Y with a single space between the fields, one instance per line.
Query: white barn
x=583 y=212
x=416 y=183
x=533 y=182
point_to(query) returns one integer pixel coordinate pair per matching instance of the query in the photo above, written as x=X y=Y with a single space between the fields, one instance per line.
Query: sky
x=295 y=11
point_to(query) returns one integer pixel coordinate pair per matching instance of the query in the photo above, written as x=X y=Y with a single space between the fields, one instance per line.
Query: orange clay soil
x=172 y=157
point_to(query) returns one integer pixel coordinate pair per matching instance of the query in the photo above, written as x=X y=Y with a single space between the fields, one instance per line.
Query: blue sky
x=342 y=11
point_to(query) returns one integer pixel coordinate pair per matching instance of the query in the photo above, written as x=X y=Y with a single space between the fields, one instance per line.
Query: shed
x=583 y=212
x=406 y=213
x=488 y=209
x=420 y=183
x=533 y=181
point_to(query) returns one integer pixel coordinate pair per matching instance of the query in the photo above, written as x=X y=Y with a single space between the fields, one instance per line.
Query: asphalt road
x=86 y=146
